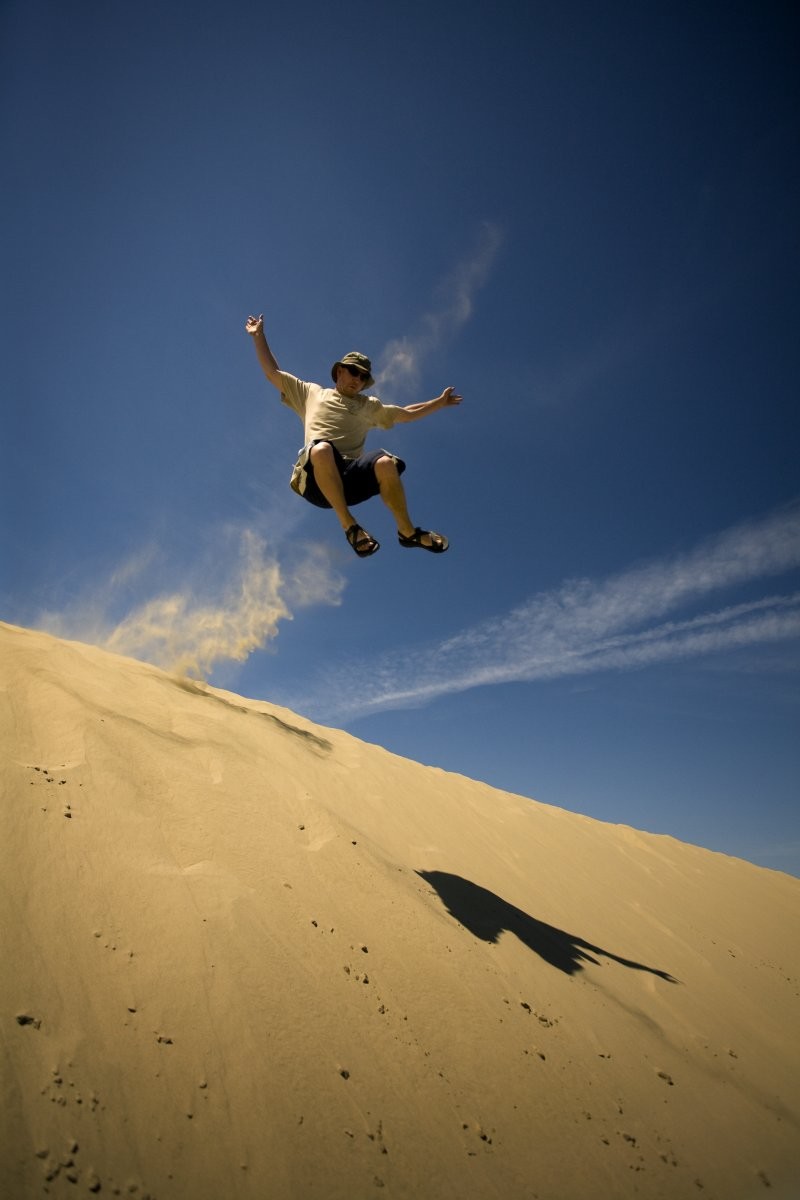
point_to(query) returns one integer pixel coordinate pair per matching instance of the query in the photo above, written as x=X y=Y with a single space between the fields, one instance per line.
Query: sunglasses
x=359 y=374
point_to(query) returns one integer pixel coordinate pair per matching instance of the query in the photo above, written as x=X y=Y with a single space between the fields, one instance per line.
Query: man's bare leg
x=394 y=497
x=329 y=482
x=393 y=494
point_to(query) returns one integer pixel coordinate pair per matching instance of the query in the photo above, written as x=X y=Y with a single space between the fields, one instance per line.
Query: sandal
x=361 y=541
x=437 y=543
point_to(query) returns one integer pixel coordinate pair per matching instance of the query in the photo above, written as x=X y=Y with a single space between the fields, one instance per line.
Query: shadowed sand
x=487 y=916
x=246 y=957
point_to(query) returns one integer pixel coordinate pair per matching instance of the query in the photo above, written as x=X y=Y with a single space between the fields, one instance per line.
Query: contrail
x=626 y=622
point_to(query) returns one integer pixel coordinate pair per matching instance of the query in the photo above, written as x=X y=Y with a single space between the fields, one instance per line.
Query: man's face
x=350 y=380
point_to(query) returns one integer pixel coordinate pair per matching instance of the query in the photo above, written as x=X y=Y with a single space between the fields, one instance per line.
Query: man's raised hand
x=255 y=325
x=450 y=396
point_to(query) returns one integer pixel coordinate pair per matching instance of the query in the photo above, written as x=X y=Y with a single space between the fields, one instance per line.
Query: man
x=333 y=471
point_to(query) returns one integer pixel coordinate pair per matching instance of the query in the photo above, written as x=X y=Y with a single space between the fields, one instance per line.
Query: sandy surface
x=246 y=957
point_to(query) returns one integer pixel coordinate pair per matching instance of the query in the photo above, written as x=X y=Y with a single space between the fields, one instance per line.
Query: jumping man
x=333 y=471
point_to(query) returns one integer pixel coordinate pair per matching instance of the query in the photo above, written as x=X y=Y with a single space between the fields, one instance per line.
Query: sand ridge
x=249 y=956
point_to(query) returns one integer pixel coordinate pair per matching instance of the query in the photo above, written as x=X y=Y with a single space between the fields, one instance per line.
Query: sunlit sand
x=249 y=957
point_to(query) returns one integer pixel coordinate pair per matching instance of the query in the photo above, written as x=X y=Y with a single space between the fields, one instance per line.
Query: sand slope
x=248 y=957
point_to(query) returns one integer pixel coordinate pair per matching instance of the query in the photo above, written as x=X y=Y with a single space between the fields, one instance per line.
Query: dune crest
x=247 y=956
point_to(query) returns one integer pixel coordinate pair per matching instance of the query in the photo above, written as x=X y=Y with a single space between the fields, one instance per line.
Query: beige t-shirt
x=344 y=421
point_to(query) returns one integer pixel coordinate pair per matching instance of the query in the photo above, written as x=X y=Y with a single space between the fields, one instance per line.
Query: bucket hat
x=355 y=359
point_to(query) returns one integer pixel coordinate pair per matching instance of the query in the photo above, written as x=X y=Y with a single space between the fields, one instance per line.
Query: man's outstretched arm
x=269 y=365
x=413 y=412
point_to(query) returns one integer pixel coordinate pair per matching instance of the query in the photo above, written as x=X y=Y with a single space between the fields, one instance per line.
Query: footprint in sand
x=28 y=1019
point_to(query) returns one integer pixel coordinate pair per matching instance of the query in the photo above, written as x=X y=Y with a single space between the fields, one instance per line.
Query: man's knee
x=321 y=450
x=386 y=467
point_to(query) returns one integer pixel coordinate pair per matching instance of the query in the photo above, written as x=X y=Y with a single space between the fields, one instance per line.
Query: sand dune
x=249 y=958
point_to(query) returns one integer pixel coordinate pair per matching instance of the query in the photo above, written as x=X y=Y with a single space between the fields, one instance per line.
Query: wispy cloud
x=631 y=620
x=192 y=629
x=400 y=360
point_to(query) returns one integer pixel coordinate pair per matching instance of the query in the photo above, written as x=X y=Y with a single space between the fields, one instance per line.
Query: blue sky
x=581 y=216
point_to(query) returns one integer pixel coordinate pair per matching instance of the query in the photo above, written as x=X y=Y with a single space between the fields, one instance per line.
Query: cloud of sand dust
x=400 y=360
x=191 y=630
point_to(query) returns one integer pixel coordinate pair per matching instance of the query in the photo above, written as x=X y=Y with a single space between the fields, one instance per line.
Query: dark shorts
x=358 y=477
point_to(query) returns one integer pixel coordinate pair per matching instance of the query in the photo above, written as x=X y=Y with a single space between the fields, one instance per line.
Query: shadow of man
x=487 y=916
